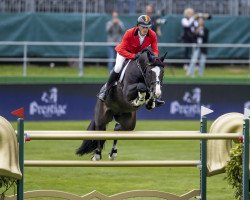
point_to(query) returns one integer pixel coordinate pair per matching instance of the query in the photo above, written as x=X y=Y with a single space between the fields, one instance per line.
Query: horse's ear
x=163 y=57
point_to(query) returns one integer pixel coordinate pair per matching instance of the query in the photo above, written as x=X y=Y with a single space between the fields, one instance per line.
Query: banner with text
x=77 y=101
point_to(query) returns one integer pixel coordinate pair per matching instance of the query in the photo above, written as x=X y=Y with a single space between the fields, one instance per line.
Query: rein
x=143 y=74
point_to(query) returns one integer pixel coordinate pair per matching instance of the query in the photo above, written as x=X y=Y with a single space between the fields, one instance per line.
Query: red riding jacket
x=130 y=44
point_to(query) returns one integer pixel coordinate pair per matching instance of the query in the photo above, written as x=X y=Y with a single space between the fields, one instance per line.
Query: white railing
x=81 y=59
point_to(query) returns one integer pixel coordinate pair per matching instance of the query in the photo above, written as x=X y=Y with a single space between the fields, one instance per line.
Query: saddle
x=121 y=76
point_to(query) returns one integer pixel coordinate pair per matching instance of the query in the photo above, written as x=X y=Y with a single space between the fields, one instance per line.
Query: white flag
x=246 y=113
x=205 y=111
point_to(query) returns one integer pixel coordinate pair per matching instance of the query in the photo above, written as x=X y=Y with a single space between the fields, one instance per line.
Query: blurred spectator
x=189 y=25
x=115 y=29
x=155 y=25
x=200 y=53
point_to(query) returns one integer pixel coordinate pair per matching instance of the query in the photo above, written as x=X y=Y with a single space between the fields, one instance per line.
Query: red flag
x=18 y=113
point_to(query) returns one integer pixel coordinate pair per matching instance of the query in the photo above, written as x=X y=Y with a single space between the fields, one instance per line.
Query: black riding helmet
x=144 y=21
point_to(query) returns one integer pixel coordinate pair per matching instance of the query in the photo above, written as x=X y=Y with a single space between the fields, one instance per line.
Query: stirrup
x=102 y=95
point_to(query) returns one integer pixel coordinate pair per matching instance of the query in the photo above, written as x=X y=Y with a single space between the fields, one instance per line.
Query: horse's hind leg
x=113 y=152
x=98 y=151
x=126 y=122
x=89 y=146
x=102 y=117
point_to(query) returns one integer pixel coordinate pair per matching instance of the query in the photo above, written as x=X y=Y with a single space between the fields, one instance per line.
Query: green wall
x=67 y=27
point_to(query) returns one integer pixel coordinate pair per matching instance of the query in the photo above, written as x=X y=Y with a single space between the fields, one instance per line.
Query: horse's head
x=153 y=68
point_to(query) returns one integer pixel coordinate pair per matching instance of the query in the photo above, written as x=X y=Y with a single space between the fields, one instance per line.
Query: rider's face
x=143 y=30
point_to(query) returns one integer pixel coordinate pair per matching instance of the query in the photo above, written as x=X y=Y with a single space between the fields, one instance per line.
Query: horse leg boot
x=113 y=152
x=111 y=81
x=140 y=100
x=98 y=152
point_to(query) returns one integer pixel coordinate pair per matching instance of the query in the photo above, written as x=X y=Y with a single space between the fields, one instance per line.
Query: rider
x=133 y=42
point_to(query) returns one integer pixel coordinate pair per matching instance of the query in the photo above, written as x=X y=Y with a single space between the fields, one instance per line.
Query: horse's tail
x=88 y=146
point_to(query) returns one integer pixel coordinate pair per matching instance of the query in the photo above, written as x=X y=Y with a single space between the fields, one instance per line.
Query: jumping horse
x=139 y=84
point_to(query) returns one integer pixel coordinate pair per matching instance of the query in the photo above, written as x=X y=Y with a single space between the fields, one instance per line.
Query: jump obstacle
x=134 y=135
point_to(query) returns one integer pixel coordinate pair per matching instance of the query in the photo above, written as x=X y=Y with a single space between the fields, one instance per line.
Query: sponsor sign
x=47 y=106
x=189 y=105
x=77 y=101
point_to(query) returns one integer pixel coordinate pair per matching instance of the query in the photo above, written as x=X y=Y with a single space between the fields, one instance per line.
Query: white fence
x=81 y=58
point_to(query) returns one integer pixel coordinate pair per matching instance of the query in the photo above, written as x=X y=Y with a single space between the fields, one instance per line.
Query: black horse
x=140 y=83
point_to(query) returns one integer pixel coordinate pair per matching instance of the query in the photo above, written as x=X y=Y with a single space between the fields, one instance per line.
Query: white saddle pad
x=123 y=72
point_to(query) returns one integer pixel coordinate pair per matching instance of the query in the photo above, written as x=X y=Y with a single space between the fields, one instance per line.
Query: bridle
x=144 y=77
x=143 y=73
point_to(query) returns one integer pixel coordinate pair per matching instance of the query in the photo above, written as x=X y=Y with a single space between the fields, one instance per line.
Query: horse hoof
x=96 y=157
x=113 y=154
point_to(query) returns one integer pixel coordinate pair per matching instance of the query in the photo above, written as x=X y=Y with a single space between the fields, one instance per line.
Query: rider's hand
x=137 y=56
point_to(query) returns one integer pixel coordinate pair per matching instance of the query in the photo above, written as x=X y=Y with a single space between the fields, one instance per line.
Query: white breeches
x=118 y=63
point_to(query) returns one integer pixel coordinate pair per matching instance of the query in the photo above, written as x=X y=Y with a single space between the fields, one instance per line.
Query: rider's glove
x=137 y=56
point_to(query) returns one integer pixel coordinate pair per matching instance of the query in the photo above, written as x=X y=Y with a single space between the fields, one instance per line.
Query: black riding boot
x=159 y=102
x=112 y=79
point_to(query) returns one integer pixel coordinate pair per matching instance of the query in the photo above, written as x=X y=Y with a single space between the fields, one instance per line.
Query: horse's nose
x=158 y=90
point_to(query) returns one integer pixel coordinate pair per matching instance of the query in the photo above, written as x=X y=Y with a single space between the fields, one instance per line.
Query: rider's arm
x=122 y=47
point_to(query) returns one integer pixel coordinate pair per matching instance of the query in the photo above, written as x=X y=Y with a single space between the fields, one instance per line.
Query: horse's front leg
x=141 y=98
x=102 y=117
x=113 y=152
x=125 y=122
